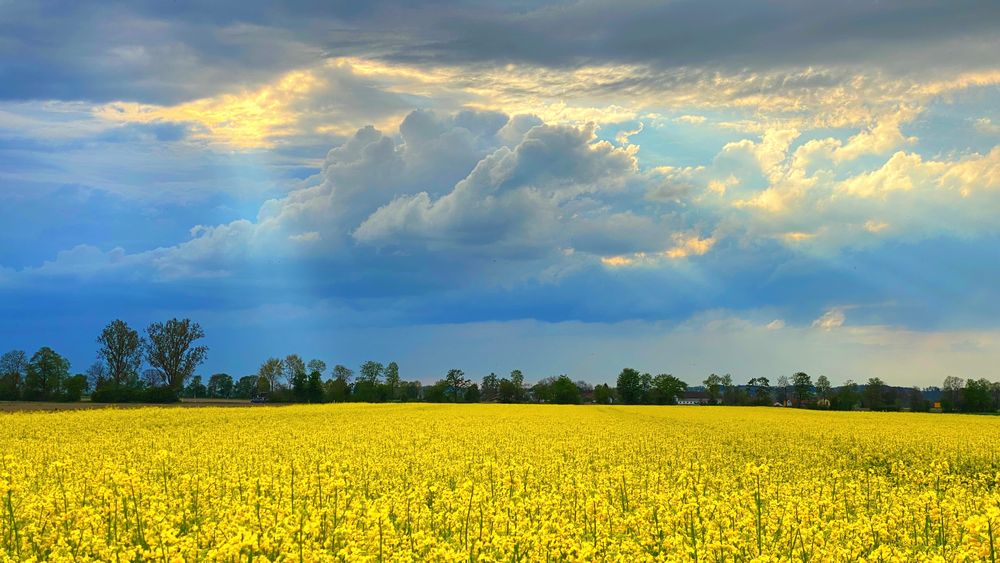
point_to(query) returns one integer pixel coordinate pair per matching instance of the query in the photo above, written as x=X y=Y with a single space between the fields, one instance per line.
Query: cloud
x=684 y=245
x=151 y=53
x=986 y=125
x=311 y=236
x=623 y=136
x=882 y=137
x=821 y=196
x=540 y=217
x=893 y=34
x=514 y=197
x=331 y=98
x=96 y=53
x=831 y=319
x=479 y=183
x=691 y=119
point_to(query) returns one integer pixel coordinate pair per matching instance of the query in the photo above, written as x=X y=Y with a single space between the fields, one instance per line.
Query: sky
x=574 y=187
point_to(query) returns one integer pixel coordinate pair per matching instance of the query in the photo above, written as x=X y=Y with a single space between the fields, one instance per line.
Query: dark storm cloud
x=727 y=32
x=167 y=52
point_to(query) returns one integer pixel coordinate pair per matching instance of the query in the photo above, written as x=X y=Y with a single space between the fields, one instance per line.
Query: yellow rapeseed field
x=498 y=483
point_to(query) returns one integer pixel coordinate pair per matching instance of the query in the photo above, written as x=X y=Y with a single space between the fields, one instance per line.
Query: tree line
x=799 y=390
x=167 y=348
x=170 y=355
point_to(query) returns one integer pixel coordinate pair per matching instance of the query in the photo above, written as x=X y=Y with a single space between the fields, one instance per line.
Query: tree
x=729 y=391
x=603 y=394
x=802 y=387
x=847 y=397
x=666 y=389
x=455 y=384
x=370 y=372
x=317 y=365
x=517 y=379
x=471 y=394
x=562 y=391
x=343 y=373
x=45 y=375
x=410 y=390
x=873 y=394
x=220 y=386
x=97 y=375
x=392 y=379
x=294 y=364
x=761 y=391
x=169 y=349
x=245 y=387
x=630 y=387
x=977 y=396
x=366 y=386
x=490 y=389
x=314 y=387
x=782 y=390
x=121 y=350
x=506 y=392
x=13 y=366
x=73 y=388
x=270 y=374
x=153 y=377
x=437 y=393
x=713 y=387
x=542 y=391
x=951 y=393
x=295 y=371
x=823 y=387
x=195 y=388
x=917 y=401
x=336 y=390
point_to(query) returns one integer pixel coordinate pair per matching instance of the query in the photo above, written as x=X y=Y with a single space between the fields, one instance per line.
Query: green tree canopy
x=630 y=387
x=667 y=388
x=343 y=373
x=371 y=372
x=563 y=391
x=802 y=387
x=45 y=375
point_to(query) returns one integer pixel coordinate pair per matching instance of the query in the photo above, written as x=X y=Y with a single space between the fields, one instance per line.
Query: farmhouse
x=693 y=398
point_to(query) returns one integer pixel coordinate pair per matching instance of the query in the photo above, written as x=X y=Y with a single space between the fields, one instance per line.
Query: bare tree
x=169 y=349
x=121 y=350
x=271 y=372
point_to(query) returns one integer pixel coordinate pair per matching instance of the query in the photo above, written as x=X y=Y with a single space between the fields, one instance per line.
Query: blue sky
x=564 y=187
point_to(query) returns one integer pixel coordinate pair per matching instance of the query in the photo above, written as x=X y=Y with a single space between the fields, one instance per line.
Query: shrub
x=123 y=394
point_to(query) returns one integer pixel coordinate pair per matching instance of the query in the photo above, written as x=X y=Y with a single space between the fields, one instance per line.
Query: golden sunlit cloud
x=831 y=319
x=689 y=246
x=618 y=261
x=602 y=94
x=251 y=119
x=684 y=246
x=797 y=236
